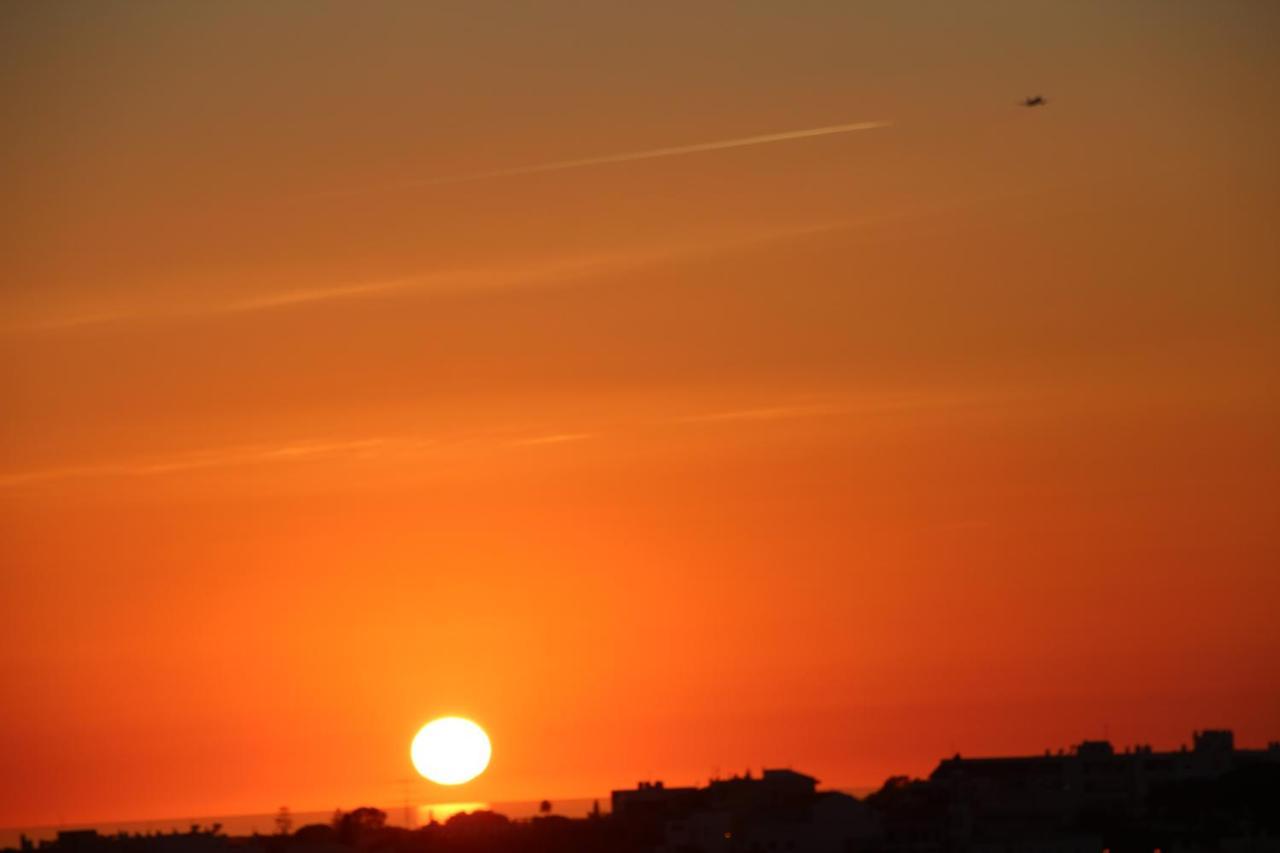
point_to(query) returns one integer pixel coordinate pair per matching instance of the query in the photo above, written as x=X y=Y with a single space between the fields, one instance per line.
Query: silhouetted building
x=80 y=840
x=780 y=810
x=775 y=790
x=652 y=801
x=1091 y=783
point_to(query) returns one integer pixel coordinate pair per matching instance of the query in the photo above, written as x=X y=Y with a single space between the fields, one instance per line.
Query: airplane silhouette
x=1035 y=101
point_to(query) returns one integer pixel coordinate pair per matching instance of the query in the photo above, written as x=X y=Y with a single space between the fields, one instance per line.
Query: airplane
x=1036 y=101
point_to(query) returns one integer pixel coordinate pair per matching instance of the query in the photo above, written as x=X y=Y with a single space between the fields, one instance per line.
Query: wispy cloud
x=553 y=438
x=547 y=272
x=870 y=404
x=397 y=448
x=771 y=413
x=224 y=457
x=74 y=321
x=537 y=273
x=415 y=448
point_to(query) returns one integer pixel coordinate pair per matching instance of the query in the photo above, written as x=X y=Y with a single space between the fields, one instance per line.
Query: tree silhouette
x=357 y=824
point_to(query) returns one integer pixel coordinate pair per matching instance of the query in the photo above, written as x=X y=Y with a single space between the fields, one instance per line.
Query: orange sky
x=844 y=453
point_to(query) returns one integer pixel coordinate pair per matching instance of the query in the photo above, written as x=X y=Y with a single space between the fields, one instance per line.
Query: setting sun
x=450 y=751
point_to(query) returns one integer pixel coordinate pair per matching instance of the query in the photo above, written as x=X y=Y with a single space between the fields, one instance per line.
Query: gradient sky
x=324 y=415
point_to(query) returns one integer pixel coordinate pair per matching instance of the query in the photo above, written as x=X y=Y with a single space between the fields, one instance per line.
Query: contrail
x=630 y=156
x=671 y=151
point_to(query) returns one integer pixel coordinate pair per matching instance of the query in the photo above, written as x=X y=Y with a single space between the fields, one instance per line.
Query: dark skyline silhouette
x=1090 y=798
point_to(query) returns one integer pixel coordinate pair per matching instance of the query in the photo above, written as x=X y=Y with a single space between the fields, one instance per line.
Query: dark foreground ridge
x=1090 y=799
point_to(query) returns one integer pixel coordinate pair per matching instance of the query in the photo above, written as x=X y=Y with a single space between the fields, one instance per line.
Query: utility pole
x=410 y=813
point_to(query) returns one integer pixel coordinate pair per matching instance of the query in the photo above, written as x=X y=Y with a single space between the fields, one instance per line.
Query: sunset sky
x=355 y=373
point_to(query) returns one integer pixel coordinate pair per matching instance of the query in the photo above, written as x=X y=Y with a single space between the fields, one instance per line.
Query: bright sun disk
x=450 y=751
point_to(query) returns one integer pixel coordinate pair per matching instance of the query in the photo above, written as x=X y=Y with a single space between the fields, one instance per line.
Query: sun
x=450 y=751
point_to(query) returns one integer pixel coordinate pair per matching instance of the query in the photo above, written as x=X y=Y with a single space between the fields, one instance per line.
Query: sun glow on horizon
x=451 y=751
x=441 y=812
